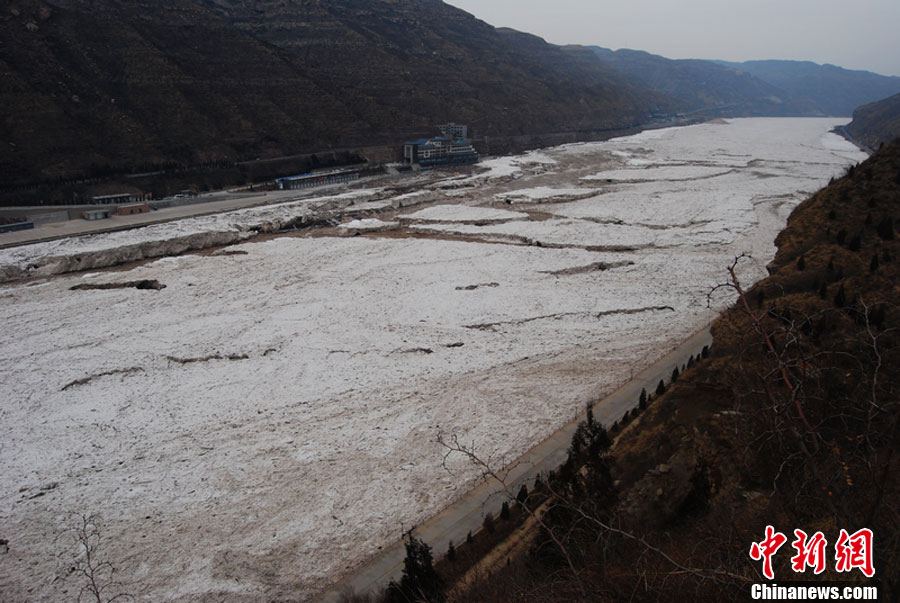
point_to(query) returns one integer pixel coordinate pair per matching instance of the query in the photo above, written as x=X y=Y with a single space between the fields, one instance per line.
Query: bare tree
x=90 y=565
x=454 y=446
x=587 y=523
x=824 y=408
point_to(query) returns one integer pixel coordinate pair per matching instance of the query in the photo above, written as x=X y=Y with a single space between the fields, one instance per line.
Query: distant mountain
x=876 y=123
x=837 y=91
x=708 y=86
x=754 y=88
x=96 y=87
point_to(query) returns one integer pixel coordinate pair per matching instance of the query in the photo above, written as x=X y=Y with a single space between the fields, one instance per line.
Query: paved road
x=60 y=230
x=466 y=515
x=212 y=203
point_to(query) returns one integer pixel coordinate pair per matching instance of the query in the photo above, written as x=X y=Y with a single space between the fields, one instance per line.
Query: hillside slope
x=876 y=123
x=94 y=88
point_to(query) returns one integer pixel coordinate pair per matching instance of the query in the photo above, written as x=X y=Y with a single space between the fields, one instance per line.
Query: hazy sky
x=856 y=34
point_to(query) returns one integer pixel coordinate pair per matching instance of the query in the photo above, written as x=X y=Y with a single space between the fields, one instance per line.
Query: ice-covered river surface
x=268 y=420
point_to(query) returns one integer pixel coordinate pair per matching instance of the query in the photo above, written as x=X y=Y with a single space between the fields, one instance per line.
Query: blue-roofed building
x=441 y=150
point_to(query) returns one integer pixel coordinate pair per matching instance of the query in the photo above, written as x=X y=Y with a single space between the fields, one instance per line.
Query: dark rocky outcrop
x=875 y=124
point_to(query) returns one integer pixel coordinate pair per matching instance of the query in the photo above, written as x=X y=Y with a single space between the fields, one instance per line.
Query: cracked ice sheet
x=511 y=166
x=589 y=234
x=268 y=476
x=544 y=193
x=368 y=224
x=462 y=213
x=259 y=459
x=730 y=199
x=241 y=220
x=652 y=173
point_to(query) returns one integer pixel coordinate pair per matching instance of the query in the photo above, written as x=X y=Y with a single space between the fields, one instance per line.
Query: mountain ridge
x=755 y=88
x=97 y=90
x=190 y=82
x=706 y=86
x=837 y=90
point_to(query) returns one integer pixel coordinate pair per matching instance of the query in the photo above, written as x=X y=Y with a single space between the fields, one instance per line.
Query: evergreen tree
x=876 y=316
x=675 y=374
x=451 y=552
x=840 y=298
x=589 y=439
x=522 y=496
x=504 y=511
x=885 y=229
x=590 y=490
x=660 y=388
x=642 y=400
x=841 y=237
x=420 y=581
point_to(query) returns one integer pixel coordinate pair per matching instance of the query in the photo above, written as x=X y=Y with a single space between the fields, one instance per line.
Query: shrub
x=488 y=523
x=522 y=496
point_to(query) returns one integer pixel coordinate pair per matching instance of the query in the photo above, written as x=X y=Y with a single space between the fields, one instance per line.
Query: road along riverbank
x=467 y=514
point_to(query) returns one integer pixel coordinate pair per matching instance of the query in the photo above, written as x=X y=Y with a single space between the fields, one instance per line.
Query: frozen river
x=267 y=420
